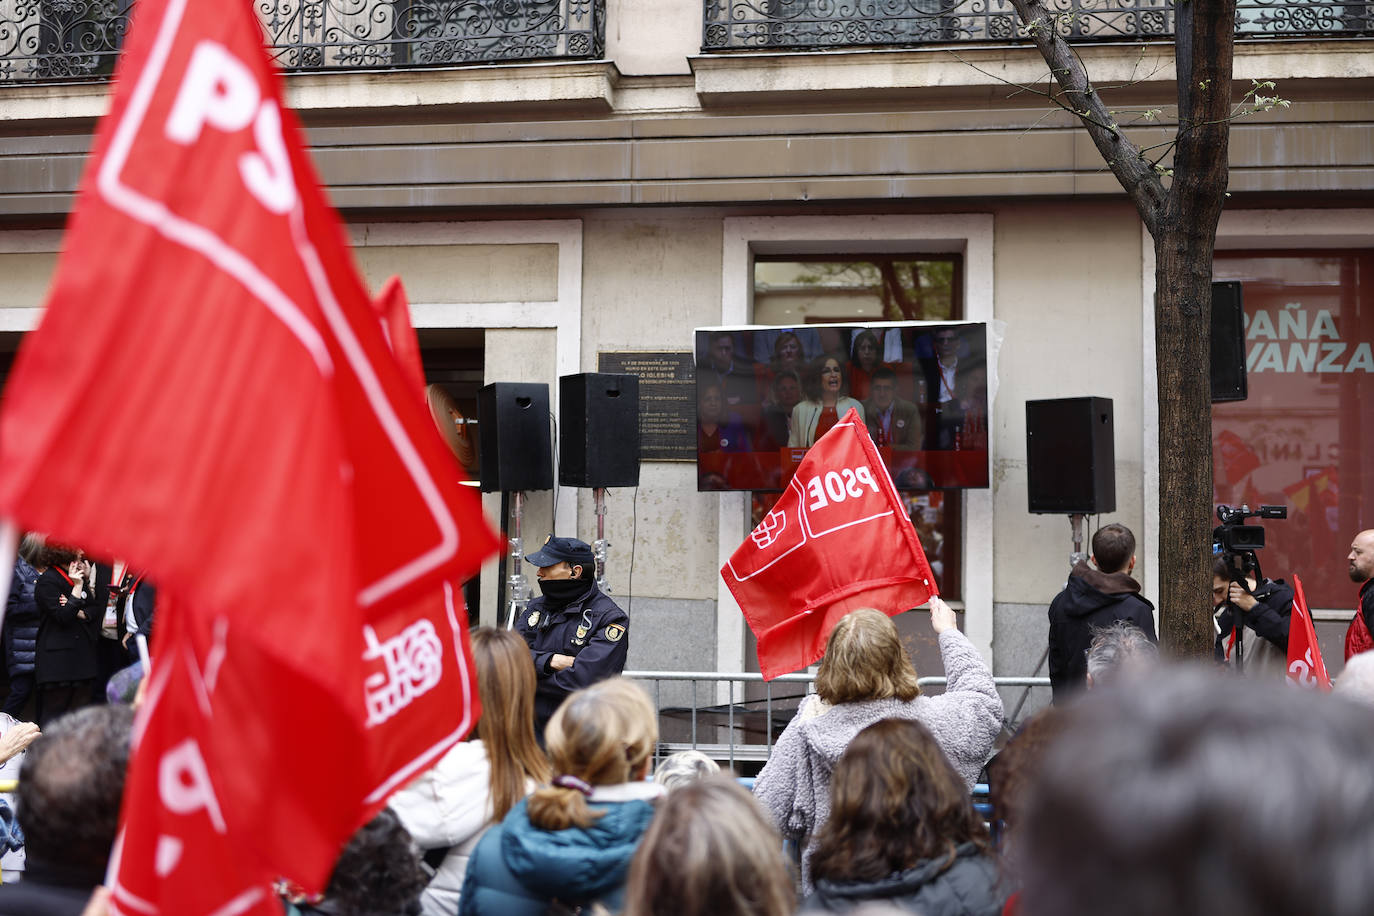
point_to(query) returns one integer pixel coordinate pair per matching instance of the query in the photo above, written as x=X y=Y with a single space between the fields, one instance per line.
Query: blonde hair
x=865 y=660
x=710 y=851
x=603 y=735
x=505 y=683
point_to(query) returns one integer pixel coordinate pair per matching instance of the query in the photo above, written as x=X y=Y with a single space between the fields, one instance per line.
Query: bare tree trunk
x=1182 y=220
x=1185 y=241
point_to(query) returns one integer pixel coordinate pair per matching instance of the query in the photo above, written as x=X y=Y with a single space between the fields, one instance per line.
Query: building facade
x=563 y=180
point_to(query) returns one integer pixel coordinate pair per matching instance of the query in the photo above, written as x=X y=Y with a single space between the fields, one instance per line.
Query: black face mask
x=561 y=592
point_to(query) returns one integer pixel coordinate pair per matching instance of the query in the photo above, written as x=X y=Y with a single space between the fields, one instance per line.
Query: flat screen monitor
x=765 y=394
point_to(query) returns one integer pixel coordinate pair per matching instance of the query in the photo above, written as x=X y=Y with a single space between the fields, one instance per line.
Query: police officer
x=577 y=635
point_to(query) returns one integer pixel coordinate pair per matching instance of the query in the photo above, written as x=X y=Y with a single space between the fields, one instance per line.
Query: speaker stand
x=1076 y=520
x=517 y=589
x=602 y=545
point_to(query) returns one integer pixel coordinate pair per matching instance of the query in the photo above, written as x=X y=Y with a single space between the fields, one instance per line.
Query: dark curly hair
x=378 y=872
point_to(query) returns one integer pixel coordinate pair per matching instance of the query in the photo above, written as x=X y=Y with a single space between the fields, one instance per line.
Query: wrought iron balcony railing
x=733 y=25
x=75 y=39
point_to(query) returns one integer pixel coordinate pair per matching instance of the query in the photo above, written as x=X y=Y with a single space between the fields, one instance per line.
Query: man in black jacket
x=577 y=635
x=1095 y=599
x=1266 y=606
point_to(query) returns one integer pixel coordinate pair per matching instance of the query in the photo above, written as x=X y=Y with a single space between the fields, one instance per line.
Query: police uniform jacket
x=592 y=628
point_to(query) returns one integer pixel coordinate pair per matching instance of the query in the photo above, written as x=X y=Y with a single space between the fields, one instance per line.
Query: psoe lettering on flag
x=1306 y=668
x=838 y=539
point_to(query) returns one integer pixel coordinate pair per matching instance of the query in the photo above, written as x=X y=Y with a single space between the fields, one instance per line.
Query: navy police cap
x=562 y=550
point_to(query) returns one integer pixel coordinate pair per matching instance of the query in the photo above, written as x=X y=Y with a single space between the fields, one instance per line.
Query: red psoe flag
x=838 y=539
x=1306 y=667
x=393 y=309
x=210 y=396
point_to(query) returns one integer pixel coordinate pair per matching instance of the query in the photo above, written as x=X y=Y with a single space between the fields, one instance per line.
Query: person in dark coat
x=21 y=624
x=1266 y=606
x=902 y=831
x=1093 y=599
x=577 y=635
x=65 y=661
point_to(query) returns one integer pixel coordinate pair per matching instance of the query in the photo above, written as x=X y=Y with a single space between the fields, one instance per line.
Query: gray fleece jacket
x=795 y=783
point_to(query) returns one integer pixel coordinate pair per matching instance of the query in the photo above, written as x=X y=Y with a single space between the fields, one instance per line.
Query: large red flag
x=211 y=397
x=1305 y=664
x=838 y=539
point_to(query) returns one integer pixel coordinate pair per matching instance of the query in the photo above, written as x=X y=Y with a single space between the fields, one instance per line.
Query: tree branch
x=1132 y=170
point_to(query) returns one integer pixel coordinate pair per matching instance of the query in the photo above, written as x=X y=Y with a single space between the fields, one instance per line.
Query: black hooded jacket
x=1091 y=600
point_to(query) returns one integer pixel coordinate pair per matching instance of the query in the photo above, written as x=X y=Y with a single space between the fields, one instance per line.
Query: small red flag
x=1305 y=665
x=838 y=539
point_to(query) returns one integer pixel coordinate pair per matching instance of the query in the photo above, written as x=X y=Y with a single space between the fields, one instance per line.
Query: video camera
x=1240 y=540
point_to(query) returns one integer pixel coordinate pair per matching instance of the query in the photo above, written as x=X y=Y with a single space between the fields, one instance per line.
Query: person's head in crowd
x=1114 y=548
x=684 y=767
x=710 y=404
x=883 y=388
x=602 y=735
x=895 y=802
x=1203 y=795
x=506 y=683
x=1117 y=651
x=1357 y=680
x=865 y=660
x=721 y=350
x=946 y=344
x=788 y=352
x=60 y=555
x=787 y=389
x=70 y=788
x=563 y=558
x=828 y=382
x=710 y=851
x=867 y=353
x=1013 y=770
x=1361 y=556
x=31 y=548
x=378 y=873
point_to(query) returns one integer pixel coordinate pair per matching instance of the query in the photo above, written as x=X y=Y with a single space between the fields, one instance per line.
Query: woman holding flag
x=866 y=675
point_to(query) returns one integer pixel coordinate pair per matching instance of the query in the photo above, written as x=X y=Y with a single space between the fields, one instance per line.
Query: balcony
x=63 y=40
x=740 y=25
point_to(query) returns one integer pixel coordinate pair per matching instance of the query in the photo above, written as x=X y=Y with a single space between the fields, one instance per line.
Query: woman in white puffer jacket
x=477 y=782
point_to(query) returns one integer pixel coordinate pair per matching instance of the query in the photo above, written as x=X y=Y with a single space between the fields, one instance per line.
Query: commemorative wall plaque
x=667 y=400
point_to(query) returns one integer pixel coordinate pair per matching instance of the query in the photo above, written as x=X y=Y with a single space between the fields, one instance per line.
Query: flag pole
x=9 y=549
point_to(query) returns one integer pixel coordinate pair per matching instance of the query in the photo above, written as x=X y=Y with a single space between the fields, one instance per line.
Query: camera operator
x=1265 y=605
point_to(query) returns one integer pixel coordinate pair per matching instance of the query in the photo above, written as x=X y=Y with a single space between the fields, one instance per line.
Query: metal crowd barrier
x=735 y=717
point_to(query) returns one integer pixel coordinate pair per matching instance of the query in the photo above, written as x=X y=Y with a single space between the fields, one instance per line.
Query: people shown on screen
x=718 y=430
x=865 y=358
x=734 y=375
x=785 y=394
x=951 y=385
x=892 y=421
x=827 y=402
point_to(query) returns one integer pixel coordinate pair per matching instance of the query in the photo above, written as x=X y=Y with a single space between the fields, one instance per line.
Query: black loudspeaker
x=516 y=447
x=598 y=416
x=1229 y=382
x=1070 y=459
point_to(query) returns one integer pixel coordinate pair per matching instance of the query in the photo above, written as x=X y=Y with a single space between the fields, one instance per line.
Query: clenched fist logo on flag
x=839 y=538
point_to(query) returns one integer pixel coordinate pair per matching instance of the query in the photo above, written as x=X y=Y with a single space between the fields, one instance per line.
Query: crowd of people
x=1147 y=788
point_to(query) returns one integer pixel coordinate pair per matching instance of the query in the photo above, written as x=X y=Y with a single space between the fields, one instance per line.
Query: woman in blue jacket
x=569 y=845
